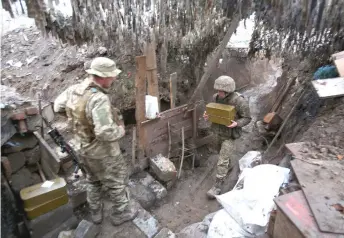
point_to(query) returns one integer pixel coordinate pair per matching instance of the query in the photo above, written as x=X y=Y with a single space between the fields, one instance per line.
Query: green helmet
x=224 y=83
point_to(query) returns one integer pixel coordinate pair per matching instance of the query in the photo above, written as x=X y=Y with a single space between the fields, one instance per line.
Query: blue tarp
x=326 y=72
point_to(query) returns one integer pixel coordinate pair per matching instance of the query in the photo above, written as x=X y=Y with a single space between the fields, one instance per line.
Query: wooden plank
x=133 y=148
x=152 y=76
x=323 y=189
x=329 y=88
x=160 y=127
x=173 y=89
x=50 y=161
x=194 y=123
x=295 y=209
x=284 y=228
x=167 y=115
x=340 y=66
x=156 y=131
x=140 y=87
x=183 y=150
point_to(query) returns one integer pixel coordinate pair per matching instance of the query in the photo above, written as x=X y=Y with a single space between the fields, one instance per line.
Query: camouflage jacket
x=96 y=125
x=243 y=116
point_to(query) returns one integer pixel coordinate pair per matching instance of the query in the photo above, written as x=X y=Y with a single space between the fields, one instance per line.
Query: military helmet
x=103 y=67
x=224 y=83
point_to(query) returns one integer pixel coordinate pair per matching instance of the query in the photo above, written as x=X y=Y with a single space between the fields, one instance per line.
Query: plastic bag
x=250 y=160
x=251 y=200
x=152 y=107
x=224 y=226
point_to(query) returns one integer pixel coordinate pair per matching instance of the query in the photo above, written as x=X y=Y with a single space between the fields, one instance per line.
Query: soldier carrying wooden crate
x=228 y=115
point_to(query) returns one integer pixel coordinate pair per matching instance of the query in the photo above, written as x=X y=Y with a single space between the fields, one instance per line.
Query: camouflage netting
x=302 y=27
x=187 y=31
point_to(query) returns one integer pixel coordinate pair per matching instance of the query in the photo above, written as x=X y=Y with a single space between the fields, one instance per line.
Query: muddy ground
x=46 y=65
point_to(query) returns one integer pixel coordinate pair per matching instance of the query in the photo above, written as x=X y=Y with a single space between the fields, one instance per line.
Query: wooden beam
x=133 y=148
x=173 y=89
x=182 y=158
x=140 y=87
x=213 y=64
x=49 y=160
x=194 y=124
x=152 y=76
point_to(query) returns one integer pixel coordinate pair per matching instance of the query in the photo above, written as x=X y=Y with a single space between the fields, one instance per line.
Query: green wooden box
x=33 y=212
x=41 y=193
x=220 y=113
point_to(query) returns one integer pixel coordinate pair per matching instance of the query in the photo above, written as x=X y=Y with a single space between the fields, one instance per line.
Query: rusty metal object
x=273 y=121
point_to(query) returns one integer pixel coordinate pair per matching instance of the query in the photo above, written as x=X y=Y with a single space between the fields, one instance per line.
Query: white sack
x=224 y=226
x=152 y=107
x=251 y=200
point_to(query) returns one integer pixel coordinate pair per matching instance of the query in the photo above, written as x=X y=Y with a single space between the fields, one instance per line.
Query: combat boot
x=215 y=190
x=129 y=213
x=97 y=215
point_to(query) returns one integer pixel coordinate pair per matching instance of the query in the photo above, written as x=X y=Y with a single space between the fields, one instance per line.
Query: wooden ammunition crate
x=33 y=212
x=39 y=194
x=221 y=113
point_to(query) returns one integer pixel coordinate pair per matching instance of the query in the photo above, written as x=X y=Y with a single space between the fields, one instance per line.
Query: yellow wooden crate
x=220 y=113
x=33 y=212
x=41 y=193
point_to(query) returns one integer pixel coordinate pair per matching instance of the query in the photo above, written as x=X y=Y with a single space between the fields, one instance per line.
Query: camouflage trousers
x=226 y=159
x=110 y=174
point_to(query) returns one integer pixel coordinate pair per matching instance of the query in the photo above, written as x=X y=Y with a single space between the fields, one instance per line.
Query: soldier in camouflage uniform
x=97 y=127
x=225 y=135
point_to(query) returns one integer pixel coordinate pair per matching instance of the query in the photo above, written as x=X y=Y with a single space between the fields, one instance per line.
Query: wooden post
x=169 y=140
x=140 y=87
x=152 y=76
x=133 y=148
x=173 y=89
x=194 y=136
x=39 y=99
x=183 y=149
x=194 y=123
